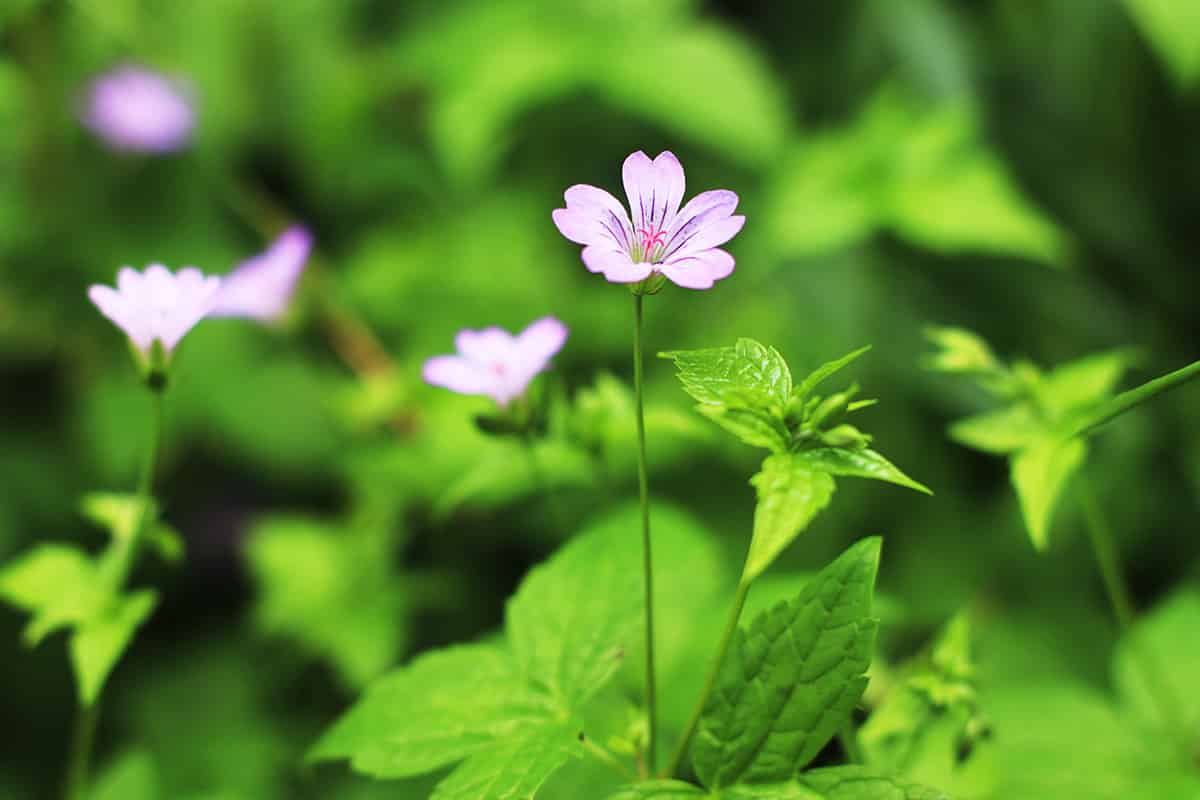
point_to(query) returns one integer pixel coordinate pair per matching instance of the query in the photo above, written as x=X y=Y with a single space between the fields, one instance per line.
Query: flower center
x=651 y=248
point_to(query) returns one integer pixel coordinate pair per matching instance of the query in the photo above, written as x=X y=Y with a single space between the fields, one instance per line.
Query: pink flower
x=155 y=304
x=261 y=287
x=682 y=244
x=495 y=363
x=136 y=110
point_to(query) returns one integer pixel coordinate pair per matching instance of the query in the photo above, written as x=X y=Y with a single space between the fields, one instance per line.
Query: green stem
x=644 y=499
x=1122 y=607
x=710 y=682
x=75 y=786
x=1126 y=401
x=848 y=736
x=124 y=554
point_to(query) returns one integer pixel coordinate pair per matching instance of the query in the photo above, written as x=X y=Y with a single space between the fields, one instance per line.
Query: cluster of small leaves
x=935 y=690
x=1036 y=425
x=64 y=588
x=748 y=390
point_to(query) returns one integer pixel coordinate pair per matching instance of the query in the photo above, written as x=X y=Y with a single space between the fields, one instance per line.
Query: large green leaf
x=1040 y=474
x=748 y=374
x=862 y=463
x=573 y=618
x=513 y=768
x=1173 y=28
x=443 y=707
x=132 y=777
x=838 y=783
x=1157 y=667
x=98 y=643
x=660 y=790
x=792 y=678
x=790 y=494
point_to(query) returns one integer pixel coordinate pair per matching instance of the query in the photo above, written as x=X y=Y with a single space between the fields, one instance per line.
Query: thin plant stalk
x=710 y=682
x=1120 y=601
x=87 y=717
x=1133 y=398
x=644 y=499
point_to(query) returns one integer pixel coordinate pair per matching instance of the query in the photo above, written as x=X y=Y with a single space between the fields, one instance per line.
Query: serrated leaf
x=444 y=706
x=1158 y=663
x=513 y=768
x=840 y=783
x=573 y=618
x=755 y=428
x=98 y=643
x=864 y=463
x=792 y=678
x=814 y=378
x=749 y=374
x=790 y=494
x=659 y=790
x=1040 y=474
x=1000 y=432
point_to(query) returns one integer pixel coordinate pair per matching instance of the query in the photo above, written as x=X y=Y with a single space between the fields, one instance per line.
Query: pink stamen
x=651 y=239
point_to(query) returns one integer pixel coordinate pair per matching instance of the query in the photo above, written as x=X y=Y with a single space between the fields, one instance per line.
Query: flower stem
x=1121 y=603
x=124 y=554
x=1133 y=398
x=710 y=682
x=644 y=498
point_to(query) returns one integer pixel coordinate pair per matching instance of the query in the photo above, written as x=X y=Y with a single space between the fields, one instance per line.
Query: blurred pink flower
x=261 y=287
x=136 y=110
x=682 y=244
x=495 y=363
x=157 y=304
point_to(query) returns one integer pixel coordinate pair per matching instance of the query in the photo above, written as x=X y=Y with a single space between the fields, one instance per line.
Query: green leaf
x=1040 y=474
x=59 y=585
x=792 y=678
x=98 y=643
x=573 y=618
x=1085 y=382
x=755 y=428
x=512 y=769
x=1173 y=29
x=118 y=513
x=329 y=588
x=838 y=783
x=814 y=378
x=749 y=374
x=659 y=790
x=1000 y=432
x=1158 y=663
x=508 y=471
x=864 y=463
x=444 y=706
x=961 y=351
x=132 y=777
x=790 y=494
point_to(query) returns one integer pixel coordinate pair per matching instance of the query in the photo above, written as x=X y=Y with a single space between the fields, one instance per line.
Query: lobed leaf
x=862 y=463
x=792 y=678
x=791 y=493
x=512 y=769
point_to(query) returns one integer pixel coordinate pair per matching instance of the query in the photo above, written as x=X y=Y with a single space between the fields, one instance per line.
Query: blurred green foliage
x=1026 y=170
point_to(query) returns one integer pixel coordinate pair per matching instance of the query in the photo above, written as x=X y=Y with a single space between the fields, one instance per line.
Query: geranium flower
x=681 y=244
x=261 y=287
x=157 y=305
x=136 y=110
x=495 y=363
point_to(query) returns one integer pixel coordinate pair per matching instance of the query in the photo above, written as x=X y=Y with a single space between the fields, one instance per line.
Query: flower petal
x=655 y=189
x=702 y=223
x=593 y=216
x=538 y=343
x=261 y=287
x=701 y=270
x=488 y=346
x=458 y=374
x=615 y=265
x=118 y=309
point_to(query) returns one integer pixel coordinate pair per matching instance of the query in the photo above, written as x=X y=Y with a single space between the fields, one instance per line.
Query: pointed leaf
x=864 y=463
x=754 y=427
x=792 y=677
x=58 y=584
x=443 y=707
x=574 y=616
x=749 y=374
x=790 y=493
x=98 y=643
x=814 y=378
x=1040 y=474
x=512 y=769
x=1084 y=382
x=999 y=432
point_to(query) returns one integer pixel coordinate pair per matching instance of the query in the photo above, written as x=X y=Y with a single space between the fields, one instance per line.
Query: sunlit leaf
x=98 y=642
x=861 y=463
x=1173 y=30
x=790 y=494
x=1040 y=474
